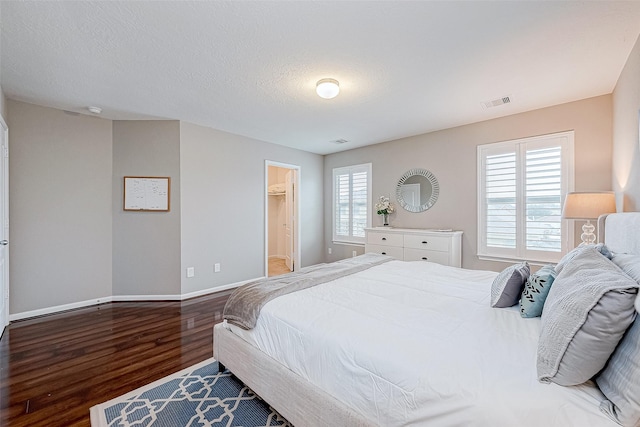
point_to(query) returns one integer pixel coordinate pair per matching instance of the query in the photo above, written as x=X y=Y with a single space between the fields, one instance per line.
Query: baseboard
x=277 y=257
x=218 y=288
x=124 y=298
x=58 y=308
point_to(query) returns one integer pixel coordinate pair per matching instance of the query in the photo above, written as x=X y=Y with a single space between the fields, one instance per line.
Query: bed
x=408 y=343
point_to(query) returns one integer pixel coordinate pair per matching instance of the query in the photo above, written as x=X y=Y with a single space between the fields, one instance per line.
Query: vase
x=385 y=220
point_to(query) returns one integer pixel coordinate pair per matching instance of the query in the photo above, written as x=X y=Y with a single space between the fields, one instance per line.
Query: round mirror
x=417 y=190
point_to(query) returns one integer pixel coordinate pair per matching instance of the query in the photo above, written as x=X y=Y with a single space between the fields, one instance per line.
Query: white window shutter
x=351 y=202
x=543 y=188
x=500 y=196
x=521 y=187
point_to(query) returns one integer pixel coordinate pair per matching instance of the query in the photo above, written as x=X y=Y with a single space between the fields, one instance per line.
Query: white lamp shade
x=327 y=88
x=588 y=205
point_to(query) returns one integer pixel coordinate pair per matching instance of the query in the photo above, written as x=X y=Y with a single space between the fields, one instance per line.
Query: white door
x=287 y=230
x=289 y=220
x=4 y=226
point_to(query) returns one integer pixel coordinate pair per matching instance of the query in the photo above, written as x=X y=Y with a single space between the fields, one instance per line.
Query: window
x=521 y=188
x=351 y=202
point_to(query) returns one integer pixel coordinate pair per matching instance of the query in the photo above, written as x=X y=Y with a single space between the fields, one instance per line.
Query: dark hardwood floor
x=54 y=368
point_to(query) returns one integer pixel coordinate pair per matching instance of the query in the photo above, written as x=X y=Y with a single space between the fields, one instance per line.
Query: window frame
x=520 y=147
x=350 y=239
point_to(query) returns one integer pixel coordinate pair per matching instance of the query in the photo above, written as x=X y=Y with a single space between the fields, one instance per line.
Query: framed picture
x=147 y=193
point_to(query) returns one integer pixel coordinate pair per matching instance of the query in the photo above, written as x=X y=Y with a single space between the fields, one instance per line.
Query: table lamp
x=588 y=206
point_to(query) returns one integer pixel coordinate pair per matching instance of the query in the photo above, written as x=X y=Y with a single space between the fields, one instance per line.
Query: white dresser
x=414 y=244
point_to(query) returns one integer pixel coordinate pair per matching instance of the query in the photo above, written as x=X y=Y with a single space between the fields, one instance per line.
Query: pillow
x=620 y=380
x=507 y=286
x=628 y=263
x=588 y=309
x=600 y=247
x=535 y=291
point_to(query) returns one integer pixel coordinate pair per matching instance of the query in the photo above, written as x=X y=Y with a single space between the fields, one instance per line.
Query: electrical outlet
x=329 y=250
x=354 y=254
x=191 y=271
x=216 y=267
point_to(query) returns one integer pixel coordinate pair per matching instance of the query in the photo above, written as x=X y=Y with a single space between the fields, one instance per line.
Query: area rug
x=198 y=396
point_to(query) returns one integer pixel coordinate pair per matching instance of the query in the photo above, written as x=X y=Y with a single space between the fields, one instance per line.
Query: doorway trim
x=4 y=216
x=296 y=201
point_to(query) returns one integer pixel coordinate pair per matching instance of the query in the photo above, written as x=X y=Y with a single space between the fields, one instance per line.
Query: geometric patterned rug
x=198 y=396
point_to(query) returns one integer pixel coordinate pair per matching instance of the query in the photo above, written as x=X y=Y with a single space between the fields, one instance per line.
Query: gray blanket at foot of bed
x=244 y=304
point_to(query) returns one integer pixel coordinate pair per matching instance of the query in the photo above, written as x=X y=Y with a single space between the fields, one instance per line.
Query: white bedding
x=415 y=343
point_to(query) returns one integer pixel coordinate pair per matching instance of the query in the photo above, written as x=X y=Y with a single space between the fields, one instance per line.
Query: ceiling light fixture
x=95 y=110
x=327 y=88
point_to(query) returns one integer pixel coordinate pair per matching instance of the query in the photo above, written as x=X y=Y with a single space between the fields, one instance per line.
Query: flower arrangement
x=384 y=206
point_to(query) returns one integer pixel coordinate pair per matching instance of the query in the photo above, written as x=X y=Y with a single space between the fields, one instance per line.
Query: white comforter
x=418 y=344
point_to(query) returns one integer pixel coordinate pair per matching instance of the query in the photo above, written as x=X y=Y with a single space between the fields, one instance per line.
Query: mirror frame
x=435 y=190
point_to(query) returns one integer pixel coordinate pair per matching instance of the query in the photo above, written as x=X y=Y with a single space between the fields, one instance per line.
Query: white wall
x=146 y=245
x=60 y=207
x=626 y=150
x=72 y=243
x=451 y=155
x=223 y=199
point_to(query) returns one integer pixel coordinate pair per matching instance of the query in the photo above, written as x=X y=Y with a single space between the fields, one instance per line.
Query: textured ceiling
x=250 y=68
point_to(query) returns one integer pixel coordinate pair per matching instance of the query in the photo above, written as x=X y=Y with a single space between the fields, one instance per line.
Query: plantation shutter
x=351 y=202
x=544 y=199
x=521 y=187
x=359 y=205
x=500 y=194
x=343 y=213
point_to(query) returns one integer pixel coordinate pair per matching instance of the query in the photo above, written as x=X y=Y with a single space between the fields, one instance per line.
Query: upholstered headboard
x=620 y=232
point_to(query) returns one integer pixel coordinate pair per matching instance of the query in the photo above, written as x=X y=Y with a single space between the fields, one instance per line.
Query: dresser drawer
x=414 y=244
x=393 y=251
x=386 y=239
x=426 y=255
x=434 y=243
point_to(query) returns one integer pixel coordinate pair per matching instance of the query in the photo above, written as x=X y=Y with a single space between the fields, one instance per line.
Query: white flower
x=384 y=206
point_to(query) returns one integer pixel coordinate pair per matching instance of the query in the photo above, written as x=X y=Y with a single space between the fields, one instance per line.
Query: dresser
x=414 y=244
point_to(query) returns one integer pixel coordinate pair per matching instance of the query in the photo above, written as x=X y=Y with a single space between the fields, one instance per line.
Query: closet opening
x=282 y=231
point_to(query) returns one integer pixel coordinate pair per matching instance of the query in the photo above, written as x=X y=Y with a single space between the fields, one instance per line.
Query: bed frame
x=304 y=404
x=299 y=401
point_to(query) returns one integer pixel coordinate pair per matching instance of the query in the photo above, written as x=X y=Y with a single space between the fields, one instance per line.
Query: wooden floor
x=277 y=267
x=54 y=368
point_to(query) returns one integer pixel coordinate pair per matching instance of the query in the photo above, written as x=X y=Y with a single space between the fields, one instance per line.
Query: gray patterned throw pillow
x=507 y=286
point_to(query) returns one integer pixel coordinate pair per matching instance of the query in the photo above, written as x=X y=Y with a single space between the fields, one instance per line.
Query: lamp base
x=587 y=236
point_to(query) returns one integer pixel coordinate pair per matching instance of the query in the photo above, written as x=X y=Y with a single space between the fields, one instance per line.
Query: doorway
x=4 y=225
x=282 y=231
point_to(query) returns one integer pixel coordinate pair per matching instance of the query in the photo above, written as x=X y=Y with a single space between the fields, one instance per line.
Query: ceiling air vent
x=339 y=141
x=496 y=102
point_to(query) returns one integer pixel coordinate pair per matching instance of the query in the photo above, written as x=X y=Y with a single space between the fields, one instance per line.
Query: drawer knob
x=425 y=258
x=384 y=238
x=384 y=253
x=425 y=242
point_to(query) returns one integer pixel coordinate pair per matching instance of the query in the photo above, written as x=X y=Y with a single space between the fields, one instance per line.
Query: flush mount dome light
x=327 y=88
